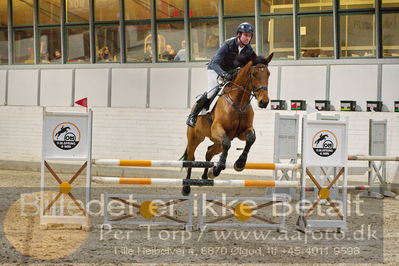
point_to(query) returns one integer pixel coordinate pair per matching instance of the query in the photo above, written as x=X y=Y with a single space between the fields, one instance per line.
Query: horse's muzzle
x=262 y=104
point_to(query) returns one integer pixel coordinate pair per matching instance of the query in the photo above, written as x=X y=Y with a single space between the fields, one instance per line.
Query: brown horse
x=232 y=118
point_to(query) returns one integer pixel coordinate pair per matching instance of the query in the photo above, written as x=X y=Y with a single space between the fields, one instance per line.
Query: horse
x=62 y=130
x=232 y=117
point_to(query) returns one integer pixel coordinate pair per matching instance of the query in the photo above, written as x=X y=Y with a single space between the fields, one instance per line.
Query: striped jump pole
x=192 y=164
x=340 y=187
x=195 y=182
x=372 y=158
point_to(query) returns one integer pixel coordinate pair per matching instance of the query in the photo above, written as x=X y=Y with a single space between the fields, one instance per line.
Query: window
x=357 y=35
x=49 y=12
x=170 y=9
x=24 y=46
x=3 y=13
x=204 y=38
x=22 y=11
x=3 y=47
x=239 y=7
x=3 y=32
x=352 y=4
x=138 y=43
x=50 y=45
x=278 y=37
x=78 y=39
x=50 y=37
x=276 y=6
x=315 y=5
x=203 y=8
x=106 y=10
x=41 y=43
x=77 y=31
x=139 y=46
x=316 y=35
x=137 y=9
x=77 y=11
x=390 y=3
x=390 y=34
x=107 y=43
x=170 y=37
x=106 y=36
x=230 y=28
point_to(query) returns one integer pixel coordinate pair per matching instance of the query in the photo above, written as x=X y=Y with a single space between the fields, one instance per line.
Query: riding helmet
x=245 y=27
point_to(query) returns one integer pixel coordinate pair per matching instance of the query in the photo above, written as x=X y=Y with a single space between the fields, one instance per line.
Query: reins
x=226 y=94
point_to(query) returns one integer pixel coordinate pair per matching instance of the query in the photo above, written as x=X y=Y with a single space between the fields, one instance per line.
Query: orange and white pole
x=192 y=164
x=195 y=182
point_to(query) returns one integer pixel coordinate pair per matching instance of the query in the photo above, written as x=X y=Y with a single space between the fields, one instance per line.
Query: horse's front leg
x=221 y=164
x=249 y=140
x=186 y=190
x=212 y=151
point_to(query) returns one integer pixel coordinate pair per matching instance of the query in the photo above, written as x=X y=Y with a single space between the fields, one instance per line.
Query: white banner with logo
x=66 y=135
x=325 y=143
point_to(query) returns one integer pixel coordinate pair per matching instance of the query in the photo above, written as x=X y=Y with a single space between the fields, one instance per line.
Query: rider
x=222 y=65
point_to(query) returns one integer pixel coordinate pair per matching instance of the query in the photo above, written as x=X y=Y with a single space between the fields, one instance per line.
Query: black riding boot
x=199 y=105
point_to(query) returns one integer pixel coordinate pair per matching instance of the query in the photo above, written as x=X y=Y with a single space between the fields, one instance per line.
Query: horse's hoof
x=238 y=166
x=214 y=172
x=211 y=175
x=186 y=190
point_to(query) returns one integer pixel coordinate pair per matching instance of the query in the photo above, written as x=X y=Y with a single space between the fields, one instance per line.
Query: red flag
x=294 y=105
x=82 y=102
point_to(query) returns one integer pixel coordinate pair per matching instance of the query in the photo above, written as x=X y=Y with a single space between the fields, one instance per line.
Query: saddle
x=212 y=101
x=215 y=96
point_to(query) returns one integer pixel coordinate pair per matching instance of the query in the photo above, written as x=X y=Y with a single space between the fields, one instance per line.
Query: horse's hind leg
x=212 y=151
x=193 y=140
x=249 y=140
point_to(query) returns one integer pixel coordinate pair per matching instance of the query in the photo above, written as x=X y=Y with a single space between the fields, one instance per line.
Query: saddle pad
x=205 y=111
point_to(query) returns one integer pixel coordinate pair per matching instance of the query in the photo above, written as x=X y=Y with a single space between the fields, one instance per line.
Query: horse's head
x=259 y=79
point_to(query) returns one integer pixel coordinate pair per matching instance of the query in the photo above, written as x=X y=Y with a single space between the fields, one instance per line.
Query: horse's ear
x=269 y=58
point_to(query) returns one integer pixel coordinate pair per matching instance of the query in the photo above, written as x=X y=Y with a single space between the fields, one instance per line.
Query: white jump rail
x=192 y=164
x=194 y=182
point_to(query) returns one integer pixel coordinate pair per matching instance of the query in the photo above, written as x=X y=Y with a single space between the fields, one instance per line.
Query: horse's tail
x=184 y=157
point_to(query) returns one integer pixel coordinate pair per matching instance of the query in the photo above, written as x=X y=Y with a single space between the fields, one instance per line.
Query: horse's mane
x=243 y=60
x=260 y=60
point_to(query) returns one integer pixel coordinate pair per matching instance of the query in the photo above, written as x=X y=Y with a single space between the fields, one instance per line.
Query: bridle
x=249 y=82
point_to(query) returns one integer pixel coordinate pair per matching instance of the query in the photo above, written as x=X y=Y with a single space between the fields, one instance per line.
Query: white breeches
x=212 y=82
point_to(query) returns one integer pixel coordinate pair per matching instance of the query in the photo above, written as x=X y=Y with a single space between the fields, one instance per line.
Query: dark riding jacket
x=225 y=57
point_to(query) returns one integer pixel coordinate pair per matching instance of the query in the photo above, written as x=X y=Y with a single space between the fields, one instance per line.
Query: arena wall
x=177 y=85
